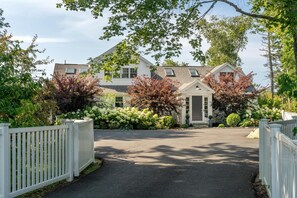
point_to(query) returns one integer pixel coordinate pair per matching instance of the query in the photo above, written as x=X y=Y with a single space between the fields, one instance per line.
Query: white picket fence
x=278 y=158
x=31 y=158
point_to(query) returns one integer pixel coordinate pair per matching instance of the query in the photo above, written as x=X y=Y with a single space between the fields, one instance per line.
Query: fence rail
x=31 y=158
x=278 y=158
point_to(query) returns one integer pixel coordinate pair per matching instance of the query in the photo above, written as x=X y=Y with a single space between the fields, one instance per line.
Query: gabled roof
x=182 y=74
x=114 y=49
x=187 y=86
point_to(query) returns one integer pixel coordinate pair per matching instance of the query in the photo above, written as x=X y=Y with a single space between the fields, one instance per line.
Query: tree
x=172 y=63
x=18 y=89
x=230 y=93
x=161 y=25
x=161 y=96
x=272 y=46
x=227 y=37
x=74 y=92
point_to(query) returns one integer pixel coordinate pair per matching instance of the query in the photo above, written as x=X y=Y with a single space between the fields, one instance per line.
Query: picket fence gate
x=34 y=157
x=278 y=158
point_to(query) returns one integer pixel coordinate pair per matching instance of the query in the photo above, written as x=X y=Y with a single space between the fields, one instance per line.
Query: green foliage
x=184 y=126
x=251 y=117
x=233 y=119
x=166 y=122
x=122 y=118
x=172 y=63
x=221 y=125
x=227 y=37
x=265 y=100
x=20 y=102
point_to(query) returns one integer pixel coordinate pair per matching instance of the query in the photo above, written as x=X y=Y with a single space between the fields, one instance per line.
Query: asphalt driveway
x=170 y=163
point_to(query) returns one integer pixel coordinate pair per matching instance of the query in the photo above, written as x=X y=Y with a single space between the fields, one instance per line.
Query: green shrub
x=185 y=126
x=221 y=126
x=166 y=122
x=233 y=119
x=249 y=122
x=122 y=118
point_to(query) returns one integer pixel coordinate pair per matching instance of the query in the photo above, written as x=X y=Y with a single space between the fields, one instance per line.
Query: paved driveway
x=173 y=163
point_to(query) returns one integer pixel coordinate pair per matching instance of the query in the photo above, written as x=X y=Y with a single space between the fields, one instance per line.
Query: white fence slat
x=19 y=162
x=24 y=171
x=33 y=169
x=13 y=146
x=29 y=159
x=37 y=157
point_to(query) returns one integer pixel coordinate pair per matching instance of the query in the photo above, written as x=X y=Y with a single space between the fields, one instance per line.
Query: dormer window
x=70 y=70
x=194 y=73
x=83 y=70
x=169 y=72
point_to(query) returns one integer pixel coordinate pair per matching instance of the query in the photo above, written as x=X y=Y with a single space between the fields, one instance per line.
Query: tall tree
x=271 y=48
x=172 y=63
x=18 y=89
x=161 y=25
x=227 y=37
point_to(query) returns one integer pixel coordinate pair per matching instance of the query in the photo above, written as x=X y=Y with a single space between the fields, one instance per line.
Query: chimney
x=64 y=62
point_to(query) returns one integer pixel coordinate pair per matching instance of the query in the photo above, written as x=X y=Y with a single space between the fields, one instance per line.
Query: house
x=196 y=94
x=70 y=69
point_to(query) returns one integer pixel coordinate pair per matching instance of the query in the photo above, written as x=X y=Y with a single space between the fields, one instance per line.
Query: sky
x=74 y=36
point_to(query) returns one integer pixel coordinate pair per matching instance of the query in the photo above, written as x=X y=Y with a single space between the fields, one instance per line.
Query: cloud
x=28 y=39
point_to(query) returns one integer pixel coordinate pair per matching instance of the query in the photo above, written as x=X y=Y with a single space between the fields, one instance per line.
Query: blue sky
x=73 y=36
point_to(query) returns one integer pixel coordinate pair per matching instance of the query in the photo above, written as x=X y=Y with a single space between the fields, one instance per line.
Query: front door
x=196 y=108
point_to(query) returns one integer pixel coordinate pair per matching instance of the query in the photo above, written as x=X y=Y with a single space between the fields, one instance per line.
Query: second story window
x=133 y=72
x=169 y=72
x=83 y=70
x=125 y=73
x=70 y=70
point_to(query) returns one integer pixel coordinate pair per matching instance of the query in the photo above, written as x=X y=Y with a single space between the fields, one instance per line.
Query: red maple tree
x=161 y=96
x=74 y=92
x=232 y=94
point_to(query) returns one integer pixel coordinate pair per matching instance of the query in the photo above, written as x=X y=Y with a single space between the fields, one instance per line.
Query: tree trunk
x=270 y=64
x=295 y=49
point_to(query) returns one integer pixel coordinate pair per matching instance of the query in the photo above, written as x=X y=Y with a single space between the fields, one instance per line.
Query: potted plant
x=210 y=120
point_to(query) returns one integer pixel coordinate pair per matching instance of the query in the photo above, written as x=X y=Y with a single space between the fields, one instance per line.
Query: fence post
x=70 y=149
x=75 y=149
x=262 y=148
x=4 y=160
x=275 y=130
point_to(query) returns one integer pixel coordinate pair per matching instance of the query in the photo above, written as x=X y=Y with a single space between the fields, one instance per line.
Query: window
x=187 y=105
x=194 y=72
x=119 y=102
x=125 y=73
x=83 y=70
x=169 y=72
x=206 y=107
x=226 y=73
x=133 y=72
x=70 y=70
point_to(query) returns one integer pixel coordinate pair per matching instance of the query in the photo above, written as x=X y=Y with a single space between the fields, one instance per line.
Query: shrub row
x=122 y=118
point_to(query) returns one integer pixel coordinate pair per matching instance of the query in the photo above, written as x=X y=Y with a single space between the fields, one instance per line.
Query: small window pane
x=125 y=73
x=133 y=72
x=193 y=72
x=119 y=102
x=83 y=70
x=169 y=72
x=206 y=107
x=70 y=71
